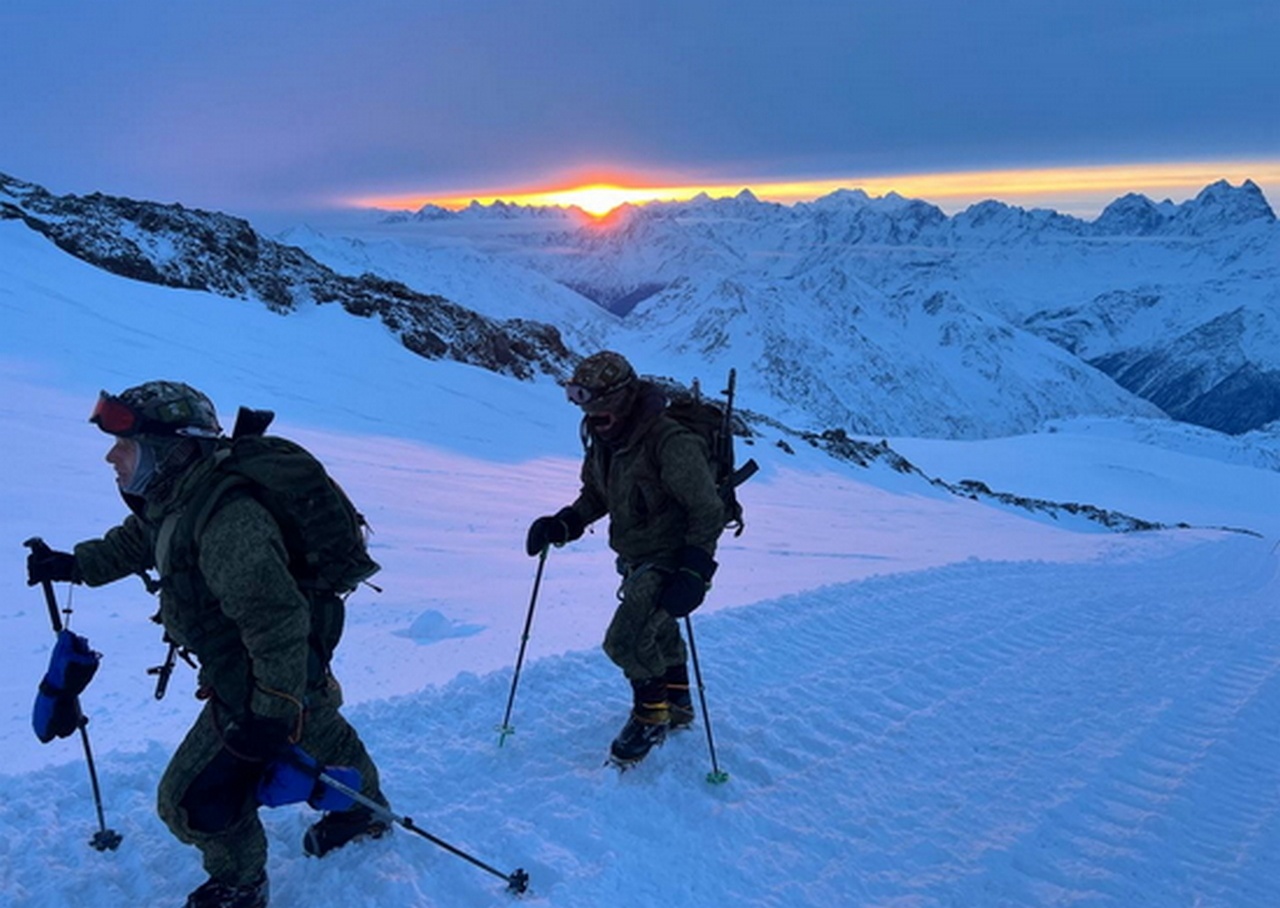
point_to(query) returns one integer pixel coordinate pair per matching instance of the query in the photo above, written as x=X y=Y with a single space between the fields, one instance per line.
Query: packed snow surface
x=919 y=699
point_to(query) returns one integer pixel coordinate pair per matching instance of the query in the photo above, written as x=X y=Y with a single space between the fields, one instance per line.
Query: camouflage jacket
x=237 y=608
x=658 y=490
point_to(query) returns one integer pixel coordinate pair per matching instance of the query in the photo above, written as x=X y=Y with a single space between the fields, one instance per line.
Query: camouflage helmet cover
x=603 y=372
x=172 y=408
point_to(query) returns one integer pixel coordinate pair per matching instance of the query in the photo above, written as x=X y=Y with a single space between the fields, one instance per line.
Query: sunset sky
x=255 y=108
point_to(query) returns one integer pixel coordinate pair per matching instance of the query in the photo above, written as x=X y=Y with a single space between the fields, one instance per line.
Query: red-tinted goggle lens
x=115 y=417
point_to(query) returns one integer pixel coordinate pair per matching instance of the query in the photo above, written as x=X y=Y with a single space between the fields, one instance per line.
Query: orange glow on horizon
x=596 y=199
x=965 y=187
x=600 y=198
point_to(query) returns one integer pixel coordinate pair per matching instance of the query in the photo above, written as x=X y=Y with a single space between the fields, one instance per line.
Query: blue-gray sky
x=256 y=106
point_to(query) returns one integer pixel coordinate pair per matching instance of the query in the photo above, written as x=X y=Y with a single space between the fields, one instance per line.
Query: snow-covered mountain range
x=884 y=315
x=876 y=316
x=887 y=315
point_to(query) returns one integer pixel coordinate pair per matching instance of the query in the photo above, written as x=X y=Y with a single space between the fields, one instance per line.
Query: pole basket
x=106 y=840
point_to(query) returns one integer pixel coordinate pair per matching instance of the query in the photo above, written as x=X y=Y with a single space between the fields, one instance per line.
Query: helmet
x=157 y=408
x=599 y=376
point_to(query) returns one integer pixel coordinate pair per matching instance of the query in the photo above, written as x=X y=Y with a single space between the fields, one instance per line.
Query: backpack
x=323 y=532
x=712 y=421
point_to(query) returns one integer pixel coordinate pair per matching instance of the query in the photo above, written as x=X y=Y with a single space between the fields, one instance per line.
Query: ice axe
x=104 y=839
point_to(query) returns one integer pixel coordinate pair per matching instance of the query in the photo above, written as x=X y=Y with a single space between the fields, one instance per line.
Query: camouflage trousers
x=198 y=791
x=642 y=639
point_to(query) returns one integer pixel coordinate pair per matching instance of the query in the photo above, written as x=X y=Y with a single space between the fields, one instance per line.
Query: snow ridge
x=176 y=247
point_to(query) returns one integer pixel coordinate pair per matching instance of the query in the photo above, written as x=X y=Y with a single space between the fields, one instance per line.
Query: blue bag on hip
x=296 y=778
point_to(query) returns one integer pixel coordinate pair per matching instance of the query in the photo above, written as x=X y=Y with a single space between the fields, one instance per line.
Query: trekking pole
x=506 y=728
x=104 y=839
x=717 y=775
x=517 y=880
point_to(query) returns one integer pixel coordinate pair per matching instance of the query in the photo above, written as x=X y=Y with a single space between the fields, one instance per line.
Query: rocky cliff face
x=201 y=250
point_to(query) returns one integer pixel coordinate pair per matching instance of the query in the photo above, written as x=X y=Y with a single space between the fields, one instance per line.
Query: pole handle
x=38 y=547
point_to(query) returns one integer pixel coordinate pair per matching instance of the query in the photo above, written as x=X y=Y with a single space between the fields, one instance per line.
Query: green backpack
x=713 y=422
x=323 y=532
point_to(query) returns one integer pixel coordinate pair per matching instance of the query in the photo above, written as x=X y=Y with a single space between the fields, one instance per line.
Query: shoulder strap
x=209 y=502
x=180 y=532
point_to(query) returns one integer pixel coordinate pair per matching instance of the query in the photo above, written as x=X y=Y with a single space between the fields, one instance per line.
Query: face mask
x=602 y=423
x=144 y=472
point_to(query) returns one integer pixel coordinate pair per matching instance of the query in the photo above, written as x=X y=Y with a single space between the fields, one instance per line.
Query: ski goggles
x=115 y=417
x=582 y=395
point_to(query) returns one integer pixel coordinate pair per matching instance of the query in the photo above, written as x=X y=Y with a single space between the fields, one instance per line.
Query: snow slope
x=466 y=275
x=920 y=700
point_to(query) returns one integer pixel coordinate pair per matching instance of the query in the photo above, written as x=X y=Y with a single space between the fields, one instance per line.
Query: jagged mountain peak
x=743 y=205
x=991 y=217
x=499 y=209
x=856 y=198
x=1133 y=214
x=1221 y=203
x=744 y=202
x=1218 y=205
x=891 y=220
x=857 y=203
x=425 y=213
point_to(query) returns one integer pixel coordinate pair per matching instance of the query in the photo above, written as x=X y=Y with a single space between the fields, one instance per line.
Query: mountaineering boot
x=337 y=828
x=216 y=894
x=679 y=697
x=646 y=728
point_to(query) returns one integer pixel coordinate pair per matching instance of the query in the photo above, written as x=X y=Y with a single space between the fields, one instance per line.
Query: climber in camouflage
x=652 y=477
x=241 y=613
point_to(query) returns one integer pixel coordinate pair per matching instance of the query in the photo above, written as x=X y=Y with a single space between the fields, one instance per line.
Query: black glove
x=258 y=738
x=554 y=529
x=49 y=564
x=688 y=584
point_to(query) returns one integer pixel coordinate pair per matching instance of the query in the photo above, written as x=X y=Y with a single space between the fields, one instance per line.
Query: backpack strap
x=179 y=533
x=212 y=500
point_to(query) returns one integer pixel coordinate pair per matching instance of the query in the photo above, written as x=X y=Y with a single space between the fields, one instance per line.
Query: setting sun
x=1093 y=185
x=596 y=200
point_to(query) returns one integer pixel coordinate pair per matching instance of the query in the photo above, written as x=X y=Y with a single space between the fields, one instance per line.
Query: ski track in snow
x=978 y=734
